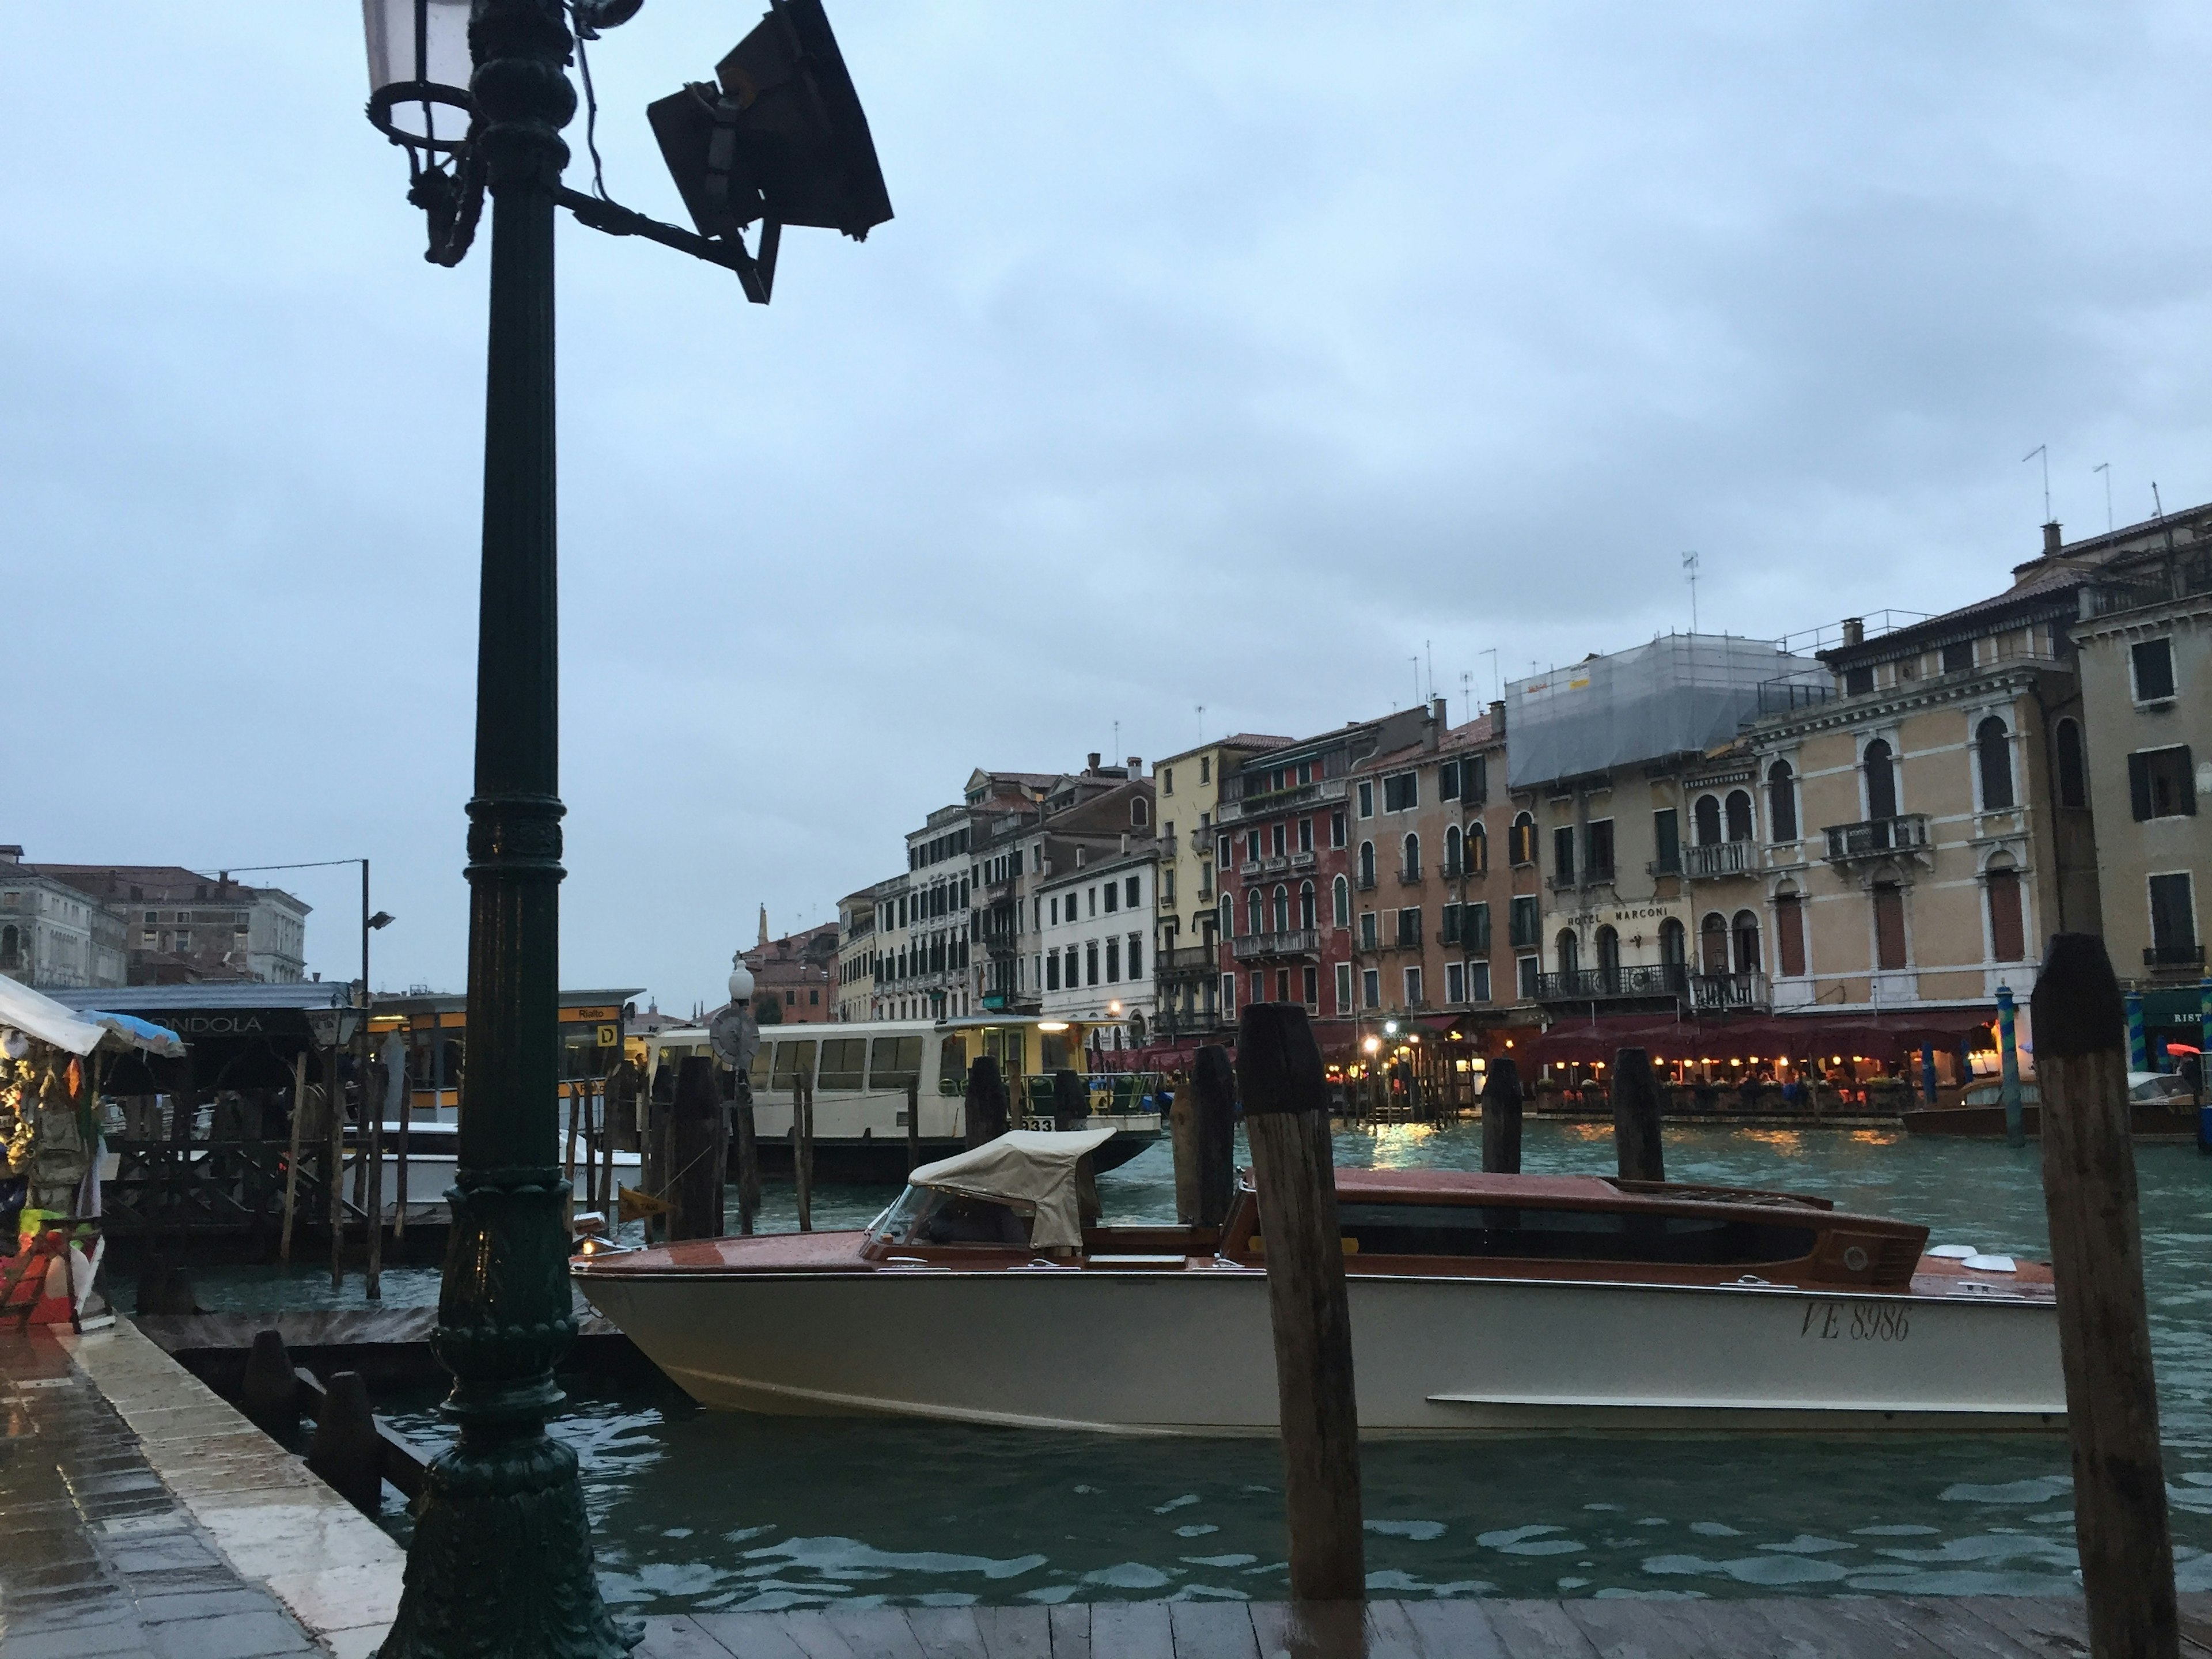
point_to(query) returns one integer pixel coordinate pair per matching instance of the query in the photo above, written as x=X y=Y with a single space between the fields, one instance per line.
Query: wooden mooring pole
x=292 y=1162
x=986 y=1116
x=748 y=1150
x=1213 y=1107
x=1636 y=1097
x=334 y=1097
x=802 y=1149
x=694 y=1177
x=2120 y=1522
x=913 y=1124
x=1285 y=1094
x=1501 y=1117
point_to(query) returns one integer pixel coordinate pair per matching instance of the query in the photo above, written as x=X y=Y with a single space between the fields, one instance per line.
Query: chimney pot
x=1094 y=760
x=1854 y=630
x=1498 y=718
x=11 y=854
x=1136 y=765
x=2051 y=539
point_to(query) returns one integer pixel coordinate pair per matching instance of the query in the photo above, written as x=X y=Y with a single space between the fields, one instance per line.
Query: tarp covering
x=41 y=1016
x=138 y=1033
x=1032 y=1169
x=1681 y=694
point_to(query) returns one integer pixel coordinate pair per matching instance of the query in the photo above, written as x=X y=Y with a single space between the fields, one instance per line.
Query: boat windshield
x=923 y=1215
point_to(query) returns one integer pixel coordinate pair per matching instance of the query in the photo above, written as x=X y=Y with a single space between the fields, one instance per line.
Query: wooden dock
x=1629 y=1627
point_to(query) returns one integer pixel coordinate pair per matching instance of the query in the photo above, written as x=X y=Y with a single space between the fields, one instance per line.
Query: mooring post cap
x=2076 y=1003
x=1279 y=1065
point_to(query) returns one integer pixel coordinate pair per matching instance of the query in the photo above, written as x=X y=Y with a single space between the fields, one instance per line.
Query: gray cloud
x=1216 y=356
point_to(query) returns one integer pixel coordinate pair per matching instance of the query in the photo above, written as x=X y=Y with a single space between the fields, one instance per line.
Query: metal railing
x=1409 y=875
x=1304 y=860
x=1907 y=832
x=1186 y=959
x=1728 y=990
x=1364 y=882
x=2180 y=577
x=1296 y=942
x=2173 y=956
x=1602 y=984
x=1718 y=858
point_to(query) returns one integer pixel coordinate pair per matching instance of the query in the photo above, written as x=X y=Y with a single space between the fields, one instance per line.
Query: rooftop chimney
x=1094 y=760
x=2051 y=540
x=1497 y=719
x=1136 y=765
x=1854 y=630
x=11 y=854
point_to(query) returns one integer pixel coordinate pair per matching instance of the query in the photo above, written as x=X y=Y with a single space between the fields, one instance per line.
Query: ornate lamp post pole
x=501 y=1561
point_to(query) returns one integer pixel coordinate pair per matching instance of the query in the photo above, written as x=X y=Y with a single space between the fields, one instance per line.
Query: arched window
x=1674 y=943
x=1880 y=770
x=1993 y=760
x=1478 y=849
x=1609 y=957
x=2008 y=936
x=1570 y=951
x=2073 y=769
x=1228 y=915
x=1138 y=813
x=11 y=945
x=1451 y=851
x=1340 y=902
x=1713 y=945
x=1780 y=801
x=1411 y=867
x=1282 y=909
x=1256 y=912
x=1306 y=905
x=1746 y=929
x=1739 y=814
x=1366 y=863
x=1521 y=844
x=1789 y=934
x=1707 y=816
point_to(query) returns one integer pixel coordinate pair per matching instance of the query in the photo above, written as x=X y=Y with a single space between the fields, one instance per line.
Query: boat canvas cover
x=1032 y=1169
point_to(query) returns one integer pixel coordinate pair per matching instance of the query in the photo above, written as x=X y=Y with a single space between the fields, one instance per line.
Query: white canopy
x=1032 y=1169
x=37 y=1015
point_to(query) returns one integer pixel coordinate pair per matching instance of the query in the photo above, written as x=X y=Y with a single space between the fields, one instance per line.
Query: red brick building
x=1284 y=863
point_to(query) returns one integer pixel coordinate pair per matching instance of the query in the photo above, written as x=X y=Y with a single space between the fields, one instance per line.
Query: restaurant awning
x=1797 y=1036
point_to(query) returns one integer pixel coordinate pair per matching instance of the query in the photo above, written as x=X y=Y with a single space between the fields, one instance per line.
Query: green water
x=697 y=1510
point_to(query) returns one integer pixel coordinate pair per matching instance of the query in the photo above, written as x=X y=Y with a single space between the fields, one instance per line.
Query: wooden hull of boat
x=1190 y=1352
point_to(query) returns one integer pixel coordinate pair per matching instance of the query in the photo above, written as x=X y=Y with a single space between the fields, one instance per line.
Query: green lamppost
x=477 y=92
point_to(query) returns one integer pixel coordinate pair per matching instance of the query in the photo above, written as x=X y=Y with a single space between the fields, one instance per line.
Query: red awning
x=1801 y=1036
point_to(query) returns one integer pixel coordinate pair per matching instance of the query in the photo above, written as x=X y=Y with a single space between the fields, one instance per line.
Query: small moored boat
x=1480 y=1303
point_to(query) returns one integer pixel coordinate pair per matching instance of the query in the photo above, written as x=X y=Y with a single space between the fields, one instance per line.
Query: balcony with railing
x=1719 y=858
x=2180 y=577
x=1875 y=838
x=1187 y=959
x=1409 y=875
x=1296 y=942
x=1610 y=984
x=1720 y=993
x=1364 y=881
x=1305 y=860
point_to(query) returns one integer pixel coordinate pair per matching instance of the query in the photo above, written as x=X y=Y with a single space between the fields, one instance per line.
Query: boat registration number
x=1855 y=1322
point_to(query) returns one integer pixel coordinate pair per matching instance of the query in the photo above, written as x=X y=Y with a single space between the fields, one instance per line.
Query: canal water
x=695 y=1510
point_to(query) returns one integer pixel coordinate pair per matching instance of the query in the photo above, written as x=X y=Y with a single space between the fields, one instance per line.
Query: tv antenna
x=1416 y=661
x=2106 y=467
x=2043 y=450
x=1690 y=569
x=1201 y=722
x=1429 y=655
x=2157 y=507
x=1497 y=684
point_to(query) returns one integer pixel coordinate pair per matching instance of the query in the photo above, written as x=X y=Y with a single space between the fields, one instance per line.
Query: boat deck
x=1793 y=1627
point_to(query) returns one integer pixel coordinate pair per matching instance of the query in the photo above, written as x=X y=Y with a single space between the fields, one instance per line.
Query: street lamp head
x=741 y=982
x=382 y=920
x=779 y=135
x=419 y=72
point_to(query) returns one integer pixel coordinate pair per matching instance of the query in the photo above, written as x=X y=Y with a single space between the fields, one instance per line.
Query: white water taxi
x=1480 y=1303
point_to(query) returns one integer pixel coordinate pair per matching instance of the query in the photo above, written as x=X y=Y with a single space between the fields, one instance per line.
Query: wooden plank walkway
x=1795 y=1628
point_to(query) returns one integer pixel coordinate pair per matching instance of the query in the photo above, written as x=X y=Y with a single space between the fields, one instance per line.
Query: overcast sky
x=1225 y=356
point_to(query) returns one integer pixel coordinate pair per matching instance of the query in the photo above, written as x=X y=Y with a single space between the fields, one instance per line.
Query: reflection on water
x=703 y=1510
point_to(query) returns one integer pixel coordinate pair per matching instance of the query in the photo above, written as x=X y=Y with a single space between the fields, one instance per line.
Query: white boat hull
x=1191 y=1352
